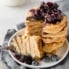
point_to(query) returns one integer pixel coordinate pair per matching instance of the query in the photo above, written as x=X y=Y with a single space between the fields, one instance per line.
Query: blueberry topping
x=46 y=58
x=55 y=5
x=18 y=56
x=27 y=59
x=48 y=12
x=35 y=63
x=50 y=4
x=54 y=58
x=24 y=59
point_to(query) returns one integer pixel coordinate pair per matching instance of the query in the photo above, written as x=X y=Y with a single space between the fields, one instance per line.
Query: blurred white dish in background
x=13 y=2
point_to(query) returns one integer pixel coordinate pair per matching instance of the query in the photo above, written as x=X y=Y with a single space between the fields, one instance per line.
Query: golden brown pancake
x=50 y=47
x=33 y=27
x=55 y=28
x=14 y=43
x=31 y=23
x=51 y=40
x=28 y=45
x=37 y=46
x=62 y=33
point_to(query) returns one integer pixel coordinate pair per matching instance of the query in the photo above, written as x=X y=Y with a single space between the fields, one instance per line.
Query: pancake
x=28 y=45
x=50 y=47
x=55 y=28
x=51 y=40
x=36 y=42
x=53 y=33
x=14 y=43
x=34 y=27
x=34 y=31
x=62 y=33
x=31 y=23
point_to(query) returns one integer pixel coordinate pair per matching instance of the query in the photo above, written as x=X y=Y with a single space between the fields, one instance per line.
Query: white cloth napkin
x=2 y=66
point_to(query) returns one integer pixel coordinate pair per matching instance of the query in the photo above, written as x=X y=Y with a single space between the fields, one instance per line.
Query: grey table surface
x=11 y=64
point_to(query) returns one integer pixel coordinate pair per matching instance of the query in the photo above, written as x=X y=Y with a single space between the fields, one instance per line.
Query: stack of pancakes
x=33 y=26
x=46 y=23
x=54 y=35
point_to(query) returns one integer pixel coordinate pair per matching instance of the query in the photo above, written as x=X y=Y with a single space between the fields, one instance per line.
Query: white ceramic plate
x=62 y=53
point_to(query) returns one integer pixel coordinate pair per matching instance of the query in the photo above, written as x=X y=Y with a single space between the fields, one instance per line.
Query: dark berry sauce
x=48 y=12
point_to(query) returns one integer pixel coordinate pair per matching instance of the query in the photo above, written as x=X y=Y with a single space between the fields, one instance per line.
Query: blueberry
x=59 y=17
x=35 y=63
x=54 y=58
x=42 y=7
x=52 y=14
x=41 y=10
x=38 y=12
x=46 y=58
x=59 y=11
x=37 y=17
x=27 y=59
x=55 y=5
x=45 y=10
x=43 y=3
x=54 y=10
x=18 y=56
x=49 y=4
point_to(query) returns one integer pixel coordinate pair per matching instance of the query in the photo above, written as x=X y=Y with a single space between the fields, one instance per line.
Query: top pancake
x=55 y=28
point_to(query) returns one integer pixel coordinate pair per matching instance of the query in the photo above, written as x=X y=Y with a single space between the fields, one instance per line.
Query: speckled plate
x=62 y=53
